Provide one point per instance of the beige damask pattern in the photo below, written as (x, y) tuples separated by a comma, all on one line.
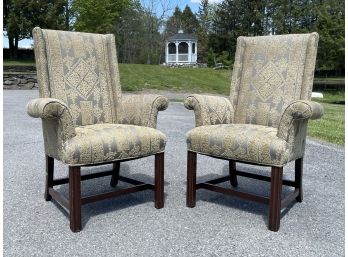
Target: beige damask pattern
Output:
[(243, 142), (80, 88), (108, 142), (271, 86), (50, 109), (146, 112), (275, 71), (79, 74), (57, 123), (210, 110), (298, 110)]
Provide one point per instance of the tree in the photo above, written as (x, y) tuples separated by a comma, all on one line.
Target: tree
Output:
[(189, 21), (205, 18), (232, 19), (98, 16), (325, 17), (184, 20), (174, 22), (235, 18), (155, 13), (130, 34), (21, 16), (68, 14), (330, 26)]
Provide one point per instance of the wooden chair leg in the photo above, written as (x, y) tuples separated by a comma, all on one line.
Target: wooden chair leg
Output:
[(191, 179), (49, 177), (115, 174), (298, 178), (75, 198), (275, 200), (159, 180), (233, 175)]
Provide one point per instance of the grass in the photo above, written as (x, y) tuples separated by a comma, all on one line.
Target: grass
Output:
[(19, 63), (330, 81), (137, 77), (19, 73), (333, 97), (330, 127)]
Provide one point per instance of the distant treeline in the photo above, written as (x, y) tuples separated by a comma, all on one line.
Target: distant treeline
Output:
[(23, 54), (141, 30)]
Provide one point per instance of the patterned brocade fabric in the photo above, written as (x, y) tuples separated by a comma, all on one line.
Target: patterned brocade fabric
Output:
[(243, 142), (298, 110), (210, 110), (141, 110), (109, 142), (269, 107), (79, 73), (81, 101), (271, 72), (49, 109)]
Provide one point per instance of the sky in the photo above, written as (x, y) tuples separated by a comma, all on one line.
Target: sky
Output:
[(194, 5)]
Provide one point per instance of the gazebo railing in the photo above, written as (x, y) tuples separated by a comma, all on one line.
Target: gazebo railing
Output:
[(181, 57), (171, 57)]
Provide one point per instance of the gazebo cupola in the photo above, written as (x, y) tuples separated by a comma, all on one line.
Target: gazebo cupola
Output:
[(181, 48)]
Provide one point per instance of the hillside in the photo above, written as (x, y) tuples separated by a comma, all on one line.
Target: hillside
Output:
[(136, 77)]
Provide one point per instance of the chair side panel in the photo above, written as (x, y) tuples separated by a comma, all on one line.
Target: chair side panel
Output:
[(309, 69), (41, 63), (114, 71)]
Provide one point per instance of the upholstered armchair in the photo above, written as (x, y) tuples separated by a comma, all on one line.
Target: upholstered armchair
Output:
[(86, 120), (263, 122)]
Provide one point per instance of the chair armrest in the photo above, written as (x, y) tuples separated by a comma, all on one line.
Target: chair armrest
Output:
[(53, 109), (297, 111), (141, 110), (210, 110)]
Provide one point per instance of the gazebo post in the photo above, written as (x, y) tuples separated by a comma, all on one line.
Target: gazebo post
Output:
[(167, 51), (196, 53), (177, 52), (189, 52)]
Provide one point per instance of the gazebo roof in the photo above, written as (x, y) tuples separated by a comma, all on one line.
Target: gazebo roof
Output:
[(182, 36)]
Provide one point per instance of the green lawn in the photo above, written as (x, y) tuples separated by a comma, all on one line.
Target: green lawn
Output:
[(19, 63), (332, 97), (330, 127), (136, 77)]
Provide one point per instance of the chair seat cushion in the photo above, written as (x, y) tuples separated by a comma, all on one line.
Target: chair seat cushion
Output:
[(101, 143), (241, 142)]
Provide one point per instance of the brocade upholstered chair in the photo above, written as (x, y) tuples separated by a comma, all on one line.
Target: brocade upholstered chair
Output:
[(264, 122), (86, 121)]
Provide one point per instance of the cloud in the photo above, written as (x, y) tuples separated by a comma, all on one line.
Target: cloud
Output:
[(210, 1)]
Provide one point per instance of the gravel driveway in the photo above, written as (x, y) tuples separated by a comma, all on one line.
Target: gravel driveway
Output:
[(130, 225)]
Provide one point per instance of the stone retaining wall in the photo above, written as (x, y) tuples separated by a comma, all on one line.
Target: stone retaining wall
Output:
[(20, 81), (19, 77)]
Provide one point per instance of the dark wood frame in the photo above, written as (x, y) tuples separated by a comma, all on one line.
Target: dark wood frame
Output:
[(75, 201), (275, 202)]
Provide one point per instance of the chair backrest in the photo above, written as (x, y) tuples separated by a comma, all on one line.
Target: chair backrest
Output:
[(81, 70), (269, 73)]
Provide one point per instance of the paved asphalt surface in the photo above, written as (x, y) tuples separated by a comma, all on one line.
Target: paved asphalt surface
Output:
[(130, 225)]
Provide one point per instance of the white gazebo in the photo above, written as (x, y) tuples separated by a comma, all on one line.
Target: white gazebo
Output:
[(181, 48)]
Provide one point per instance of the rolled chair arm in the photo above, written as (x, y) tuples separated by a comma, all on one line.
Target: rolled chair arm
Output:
[(50, 109), (298, 110), (141, 110), (210, 110)]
